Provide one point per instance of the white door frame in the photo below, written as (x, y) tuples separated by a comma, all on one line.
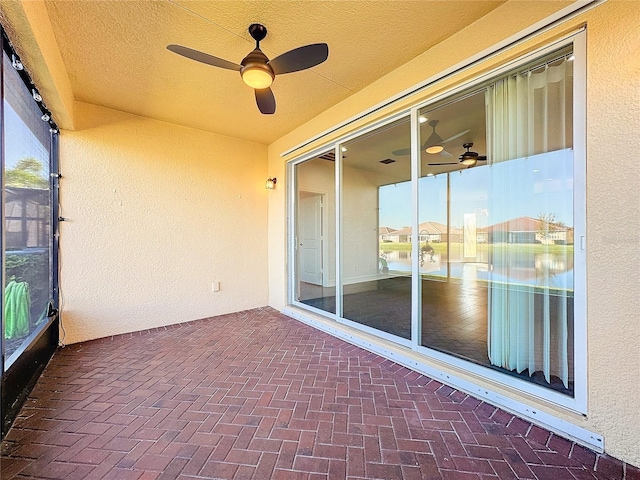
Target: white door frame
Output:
[(322, 237)]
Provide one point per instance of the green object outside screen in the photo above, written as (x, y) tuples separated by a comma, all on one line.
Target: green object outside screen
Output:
[(17, 301)]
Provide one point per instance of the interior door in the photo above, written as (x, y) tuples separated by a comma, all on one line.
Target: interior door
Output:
[(310, 238)]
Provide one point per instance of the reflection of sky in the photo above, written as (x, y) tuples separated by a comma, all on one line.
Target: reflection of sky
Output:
[(27, 144), (503, 191)]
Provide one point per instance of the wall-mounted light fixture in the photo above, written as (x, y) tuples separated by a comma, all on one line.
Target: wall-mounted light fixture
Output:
[(271, 183)]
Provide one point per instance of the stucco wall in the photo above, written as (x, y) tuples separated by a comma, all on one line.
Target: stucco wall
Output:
[(613, 183), (156, 213)]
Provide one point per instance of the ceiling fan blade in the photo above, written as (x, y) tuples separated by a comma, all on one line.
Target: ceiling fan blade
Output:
[(266, 101), (457, 135), (401, 152), (203, 57), (482, 158), (300, 58)]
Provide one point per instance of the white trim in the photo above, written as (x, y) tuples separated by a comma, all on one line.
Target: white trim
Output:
[(540, 392), (292, 239), (580, 314), (416, 282), (570, 11), (338, 217), (407, 358)]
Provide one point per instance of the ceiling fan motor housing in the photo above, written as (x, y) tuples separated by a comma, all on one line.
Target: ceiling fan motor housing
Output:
[(256, 64)]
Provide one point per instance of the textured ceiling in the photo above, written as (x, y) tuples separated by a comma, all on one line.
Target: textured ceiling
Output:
[(115, 54)]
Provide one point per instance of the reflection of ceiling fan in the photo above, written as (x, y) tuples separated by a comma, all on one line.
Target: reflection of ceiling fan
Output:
[(434, 144), (468, 158), (257, 70)]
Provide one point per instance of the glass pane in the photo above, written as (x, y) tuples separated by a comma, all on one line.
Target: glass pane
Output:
[(498, 288), (315, 237), (27, 288), (530, 278), (376, 233), (452, 206)]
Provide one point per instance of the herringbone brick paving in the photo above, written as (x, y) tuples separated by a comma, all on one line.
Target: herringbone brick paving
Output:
[(258, 395)]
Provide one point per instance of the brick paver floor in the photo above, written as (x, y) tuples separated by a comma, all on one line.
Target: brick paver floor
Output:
[(258, 395)]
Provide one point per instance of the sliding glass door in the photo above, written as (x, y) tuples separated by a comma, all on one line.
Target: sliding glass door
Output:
[(315, 232), (376, 244), (458, 240)]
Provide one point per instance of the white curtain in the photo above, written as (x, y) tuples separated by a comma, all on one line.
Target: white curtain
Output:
[(528, 115)]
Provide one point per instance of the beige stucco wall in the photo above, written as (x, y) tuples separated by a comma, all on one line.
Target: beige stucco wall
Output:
[(156, 213), (613, 201)]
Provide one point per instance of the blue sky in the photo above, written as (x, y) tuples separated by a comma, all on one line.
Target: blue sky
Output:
[(28, 144), (522, 187)]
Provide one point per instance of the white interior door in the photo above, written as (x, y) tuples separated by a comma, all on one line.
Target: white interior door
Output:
[(310, 239)]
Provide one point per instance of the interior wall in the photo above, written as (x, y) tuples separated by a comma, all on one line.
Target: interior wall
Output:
[(613, 207), (360, 225), (154, 214), (359, 214), (318, 176)]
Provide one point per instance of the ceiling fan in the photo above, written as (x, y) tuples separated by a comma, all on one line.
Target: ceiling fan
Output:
[(257, 70), (434, 144), (468, 158)]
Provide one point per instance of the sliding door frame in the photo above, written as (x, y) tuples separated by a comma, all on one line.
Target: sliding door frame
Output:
[(577, 403)]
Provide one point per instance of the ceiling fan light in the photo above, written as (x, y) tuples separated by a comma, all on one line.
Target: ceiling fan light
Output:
[(256, 76), (434, 142), (469, 161), (433, 149)]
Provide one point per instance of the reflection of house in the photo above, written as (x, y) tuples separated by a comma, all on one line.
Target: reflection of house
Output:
[(428, 232), (402, 236), (26, 217), (432, 232), (386, 234), (526, 230), (517, 230)]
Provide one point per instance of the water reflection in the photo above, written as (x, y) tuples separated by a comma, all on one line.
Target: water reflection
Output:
[(542, 269)]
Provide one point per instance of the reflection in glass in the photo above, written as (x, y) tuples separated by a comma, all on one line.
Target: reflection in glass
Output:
[(27, 240), (376, 237), (494, 233), (504, 298)]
